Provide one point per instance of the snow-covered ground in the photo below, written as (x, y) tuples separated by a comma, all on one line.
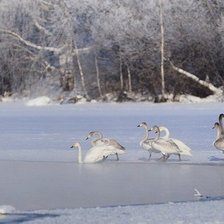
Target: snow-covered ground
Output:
[(41, 178)]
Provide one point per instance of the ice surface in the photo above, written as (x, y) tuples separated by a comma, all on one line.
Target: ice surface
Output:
[(55, 127), (38, 170), (45, 185)]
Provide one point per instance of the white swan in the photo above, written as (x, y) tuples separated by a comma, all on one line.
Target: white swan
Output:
[(219, 141), (95, 154), (100, 140), (146, 142), (165, 146), (184, 149)]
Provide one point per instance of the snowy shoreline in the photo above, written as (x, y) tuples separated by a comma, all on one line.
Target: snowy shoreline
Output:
[(198, 212)]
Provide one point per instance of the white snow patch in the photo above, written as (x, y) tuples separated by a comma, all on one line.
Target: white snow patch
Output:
[(81, 99), (208, 212), (6, 209), (39, 101), (195, 99), (7, 99)]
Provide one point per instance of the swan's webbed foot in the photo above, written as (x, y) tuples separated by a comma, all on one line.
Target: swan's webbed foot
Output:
[(105, 157)]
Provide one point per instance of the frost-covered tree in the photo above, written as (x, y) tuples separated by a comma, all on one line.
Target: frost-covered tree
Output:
[(44, 30), (26, 28), (190, 40), (94, 47)]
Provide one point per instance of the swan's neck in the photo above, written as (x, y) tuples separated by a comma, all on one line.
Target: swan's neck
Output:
[(218, 134), (221, 125), (158, 135), (166, 130), (79, 154), (146, 135), (98, 135)]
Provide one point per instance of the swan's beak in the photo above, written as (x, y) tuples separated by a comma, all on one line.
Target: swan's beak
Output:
[(71, 147), (138, 126), (87, 137)]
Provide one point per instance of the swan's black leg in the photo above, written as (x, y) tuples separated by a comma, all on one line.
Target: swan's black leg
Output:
[(166, 158), (117, 156), (163, 157), (179, 157), (150, 154)]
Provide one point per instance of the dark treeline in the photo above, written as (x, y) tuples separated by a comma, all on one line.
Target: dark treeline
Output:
[(123, 48)]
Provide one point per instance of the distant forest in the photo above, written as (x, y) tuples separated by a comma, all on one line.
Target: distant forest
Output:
[(111, 49)]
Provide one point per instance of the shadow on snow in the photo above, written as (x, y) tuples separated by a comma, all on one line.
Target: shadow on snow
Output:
[(24, 217)]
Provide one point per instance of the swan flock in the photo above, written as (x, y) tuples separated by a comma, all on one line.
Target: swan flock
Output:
[(160, 143), (100, 150)]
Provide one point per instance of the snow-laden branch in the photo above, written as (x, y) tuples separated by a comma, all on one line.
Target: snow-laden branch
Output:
[(44, 48), (41, 28), (30, 44), (46, 3), (208, 85), (82, 50)]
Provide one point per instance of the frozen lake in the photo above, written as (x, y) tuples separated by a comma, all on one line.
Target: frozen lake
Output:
[(41, 185), (56, 127), (38, 170)]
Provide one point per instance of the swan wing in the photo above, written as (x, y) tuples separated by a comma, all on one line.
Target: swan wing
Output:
[(95, 154), (103, 141), (181, 145), (219, 144), (114, 143), (110, 142), (147, 144), (111, 150), (184, 149), (100, 152), (166, 146)]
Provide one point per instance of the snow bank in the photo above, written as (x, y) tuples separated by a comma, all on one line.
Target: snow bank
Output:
[(208, 212), (7, 99), (194, 99), (39, 101)]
